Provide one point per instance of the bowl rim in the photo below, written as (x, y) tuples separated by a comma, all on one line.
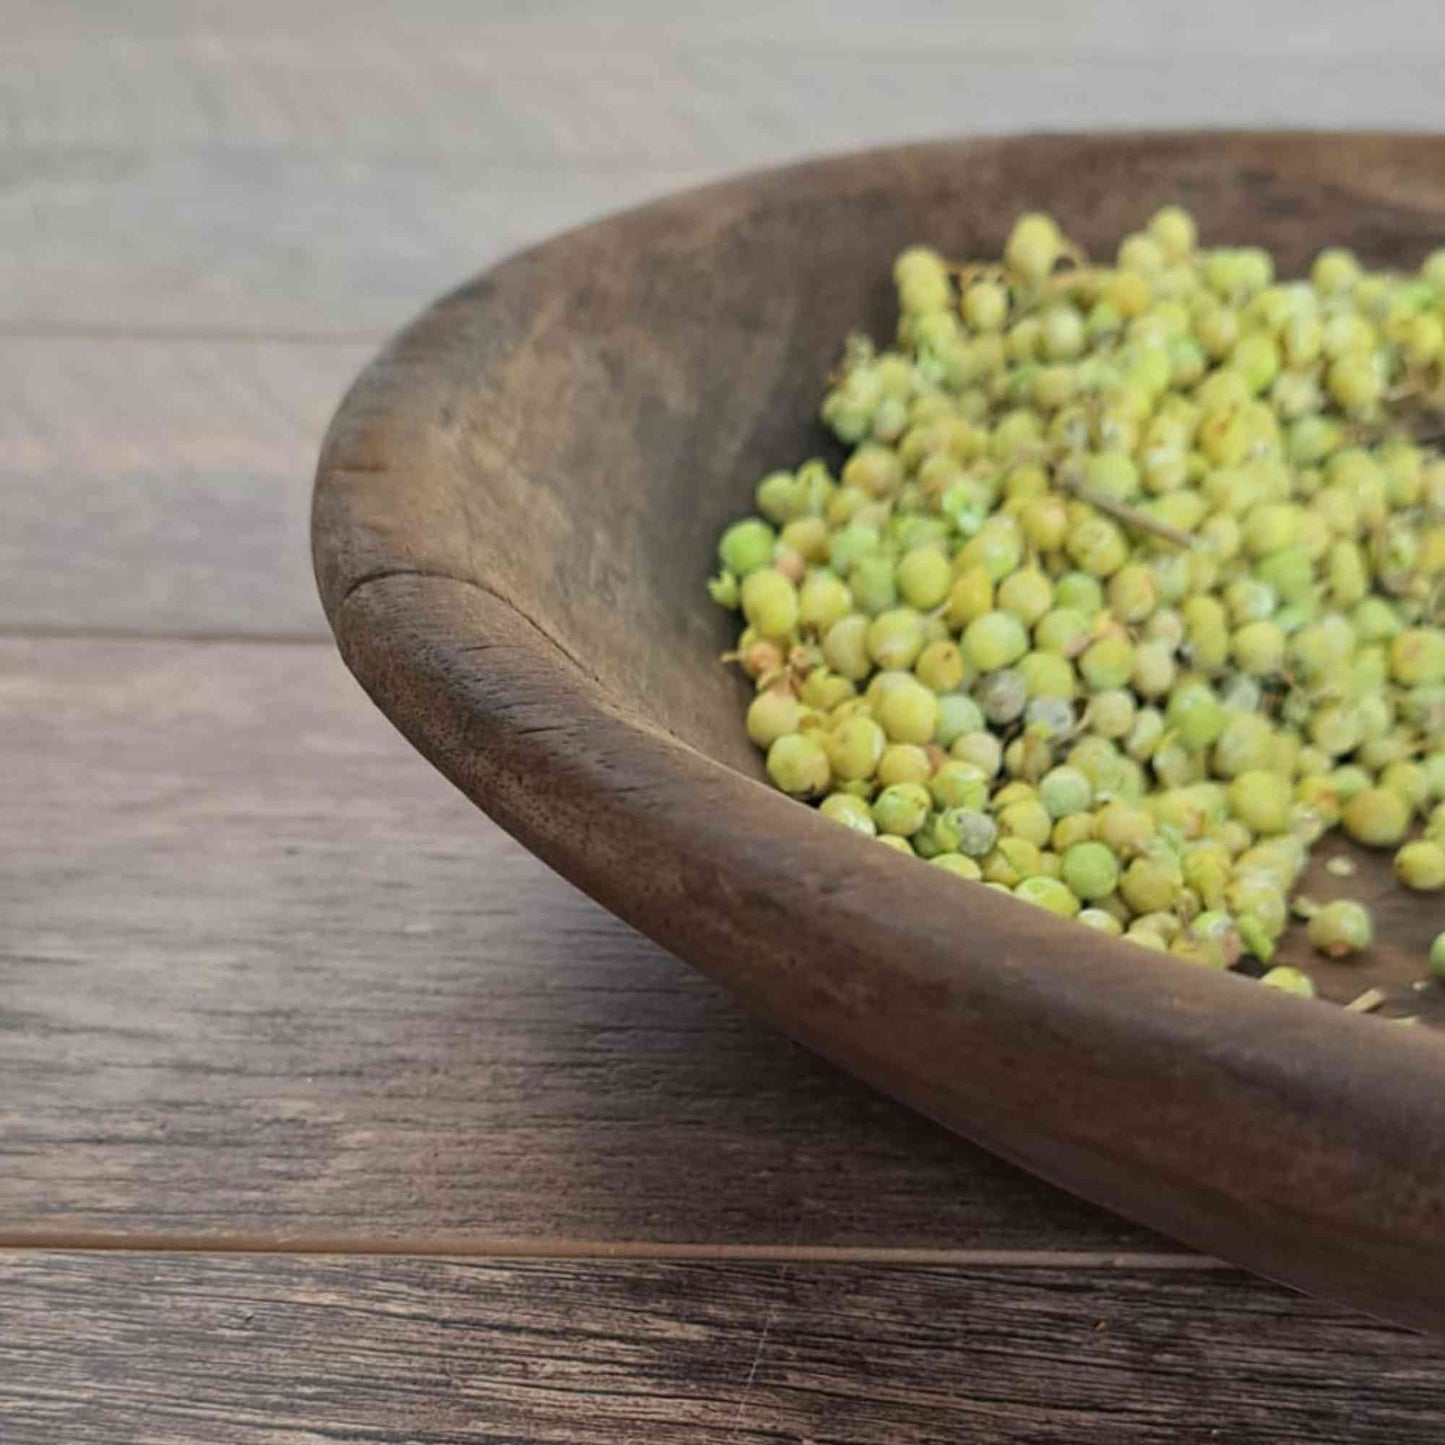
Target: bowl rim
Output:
[(1302, 1141)]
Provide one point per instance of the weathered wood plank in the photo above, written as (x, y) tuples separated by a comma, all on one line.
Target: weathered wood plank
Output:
[(262, 973), (480, 77), (127, 406), (269, 179), (197, 553), (158, 485), (276, 242), (1043, 24), (576, 96), (164, 1349)]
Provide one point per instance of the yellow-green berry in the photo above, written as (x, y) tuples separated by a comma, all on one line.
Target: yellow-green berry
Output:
[(1065, 790), (1377, 817), (995, 640), (1261, 800), (1290, 980), (903, 763), (770, 603), (1091, 870), (1050, 894), (747, 546), (798, 765), (1340, 928), (771, 714), (1421, 865), (1102, 920), (901, 809), (957, 864), (850, 811), (924, 577), (908, 712)]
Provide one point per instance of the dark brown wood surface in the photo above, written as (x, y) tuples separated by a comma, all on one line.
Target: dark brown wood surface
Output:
[(267, 976), (180, 1348), (266, 982)]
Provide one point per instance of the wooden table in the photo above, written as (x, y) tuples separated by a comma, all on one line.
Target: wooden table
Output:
[(326, 1113)]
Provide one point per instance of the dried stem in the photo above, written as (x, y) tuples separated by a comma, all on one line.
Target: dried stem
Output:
[(1129, 516), (1367, 1002)]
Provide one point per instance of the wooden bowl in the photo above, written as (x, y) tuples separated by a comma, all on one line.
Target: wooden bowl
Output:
[(515, 512)]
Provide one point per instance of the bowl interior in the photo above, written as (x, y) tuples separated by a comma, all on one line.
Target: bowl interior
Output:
[(668, 388)]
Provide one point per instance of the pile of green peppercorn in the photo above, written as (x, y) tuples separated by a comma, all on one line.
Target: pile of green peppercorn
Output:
[(1130, 588)]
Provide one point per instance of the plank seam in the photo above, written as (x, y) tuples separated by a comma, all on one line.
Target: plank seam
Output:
[(97, 1242)]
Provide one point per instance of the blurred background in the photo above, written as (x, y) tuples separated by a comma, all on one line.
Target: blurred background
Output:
[(211, 213)]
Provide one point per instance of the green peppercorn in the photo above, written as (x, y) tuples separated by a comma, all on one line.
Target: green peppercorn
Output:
[(908, 712), (855, 748), (1377, 817), (895, 638), (958, 865), (903, 763), (1289, 980), (1065, 790), (1091, 870), (1050, 894), (747, 546), (941, 666), (1421, 865), (901, 809), (1101, 920), (959, 785), (1079, 592), (850, 811), (1291, 652), (1417, 656), (769, 602), (1108, 664), (995, 640), (981, 748), (1261, 801), (798, 765), (957, 714), (823, 599), (1097, 546), (1145, 938), (1034, 246), (1340, 928), (771, 714)]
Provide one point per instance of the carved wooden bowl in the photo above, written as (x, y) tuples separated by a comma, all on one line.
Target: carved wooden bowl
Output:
[(516, 509)]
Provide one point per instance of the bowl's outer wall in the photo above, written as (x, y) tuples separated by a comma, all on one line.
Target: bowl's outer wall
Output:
[(516, 508)]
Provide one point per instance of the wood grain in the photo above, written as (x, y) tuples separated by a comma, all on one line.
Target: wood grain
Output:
[(194, 170), (211, 552), (165, 1349), (161, 485), (589, 91), (273, 241), (432, 27), (72, 406), (262, 973)]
